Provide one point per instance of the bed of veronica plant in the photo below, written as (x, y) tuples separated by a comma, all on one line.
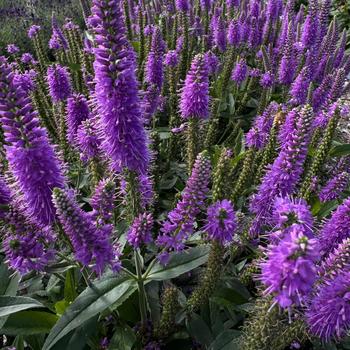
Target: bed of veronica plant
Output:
[(176, 179)]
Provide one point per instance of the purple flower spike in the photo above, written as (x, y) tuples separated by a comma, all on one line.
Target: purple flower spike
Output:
[(233, 34), (267, 80), (288, 214), (171, 58), (27, 246), (258, 135), (124, 137), (335, 187), (221, 222), (27, 58), (194, 101), (299, 88), (102, 201), (240, 72), (328, 314), (179, 225), (32, 159), (336, 228), (12, 49), (77, 111), (5, 197), (26, 80), (220, 35), (182, 5), (59, 83), (88, 140), (140, 231), (285, 172), (154, 64), (206, 4), (232, 3), (91, 244), (33, 31), (289, 270)]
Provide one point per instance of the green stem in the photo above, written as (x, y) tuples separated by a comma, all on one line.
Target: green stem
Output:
[(141, 288)]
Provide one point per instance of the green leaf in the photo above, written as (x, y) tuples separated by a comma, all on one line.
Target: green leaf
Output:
[(70, 286), (29, 322), (180, 263), (123, 338), (93, 300), (225, 340), (61, 307), (199, 330), (18, 343), (340, 150), (8, 286), (78, 338), (10, 305)]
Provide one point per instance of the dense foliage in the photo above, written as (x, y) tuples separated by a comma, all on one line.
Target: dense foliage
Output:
[(176, 176)]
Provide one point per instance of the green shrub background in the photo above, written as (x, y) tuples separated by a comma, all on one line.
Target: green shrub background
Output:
[(17, 15)]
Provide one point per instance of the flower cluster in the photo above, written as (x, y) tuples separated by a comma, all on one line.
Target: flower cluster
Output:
[(179, 225), (289, 270)]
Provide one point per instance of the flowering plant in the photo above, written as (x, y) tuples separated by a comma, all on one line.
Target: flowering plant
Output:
[(173, 175)]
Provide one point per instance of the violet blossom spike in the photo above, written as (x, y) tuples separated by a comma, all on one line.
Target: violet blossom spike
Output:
[(289, 270), (339, 54), (267, 80), (5, 197), (287, 64), (27, 80), (274, 8), (299, 88), (240, 72), (124, 138), (57, 34), (233, 33), (324, 14), (180, 222), (92, 245), (220, 35), (336, 228), (258, 135), (310, 30), (206, 4), (102, 201), (194, 100), (232, 3), (328, 314), (27, 246), (77, 111), (221, 222), (338, 85), (32, 159), (27, 58), (335, 187), (171, 58), (150, 102), (337, 260), (154, 63), (285, 172), (59, 81), (254, 33), (12, 49), (292, 213), (140, 231), (88, 140), (321, 94), (213, 63), (33, 31), (182, 5)]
